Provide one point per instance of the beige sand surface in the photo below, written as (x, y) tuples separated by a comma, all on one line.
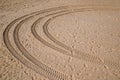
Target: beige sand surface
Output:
[(59, 39)]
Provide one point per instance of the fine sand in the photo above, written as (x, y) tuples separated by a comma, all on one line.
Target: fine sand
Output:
[(59, 40)]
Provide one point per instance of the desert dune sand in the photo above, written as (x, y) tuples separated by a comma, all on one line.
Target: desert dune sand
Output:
[(59, 40)]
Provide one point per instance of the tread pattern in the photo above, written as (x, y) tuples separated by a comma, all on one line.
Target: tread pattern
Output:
[(32, 62)]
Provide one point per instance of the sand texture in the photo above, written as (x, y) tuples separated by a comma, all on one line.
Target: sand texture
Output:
[(59, 40)]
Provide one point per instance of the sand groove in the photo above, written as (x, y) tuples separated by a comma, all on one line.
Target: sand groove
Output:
[(77, 54), (32, 62)]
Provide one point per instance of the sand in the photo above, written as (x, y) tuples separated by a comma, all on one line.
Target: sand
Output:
[(59, 40)]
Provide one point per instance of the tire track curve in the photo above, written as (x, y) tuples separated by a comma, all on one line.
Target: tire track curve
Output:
[(15, 53), (84, 56), (44, 69), (29, 60), (57, 48), (40, 38), (19, 57)]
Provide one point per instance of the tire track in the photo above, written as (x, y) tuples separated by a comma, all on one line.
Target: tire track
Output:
[(48, 70), (19, 57), (15, 53), (45, 69), (36, 35), (32, 62), (84, 56)]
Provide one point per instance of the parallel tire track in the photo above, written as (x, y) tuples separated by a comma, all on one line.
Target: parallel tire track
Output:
[(30, 61), (83, 56), (48, 70), (40, 70), (77, 54)]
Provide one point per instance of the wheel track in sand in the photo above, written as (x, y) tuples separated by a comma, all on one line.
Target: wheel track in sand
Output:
[(49, 71), (84, 56), (78, 54), (34, 64), (46, 71)]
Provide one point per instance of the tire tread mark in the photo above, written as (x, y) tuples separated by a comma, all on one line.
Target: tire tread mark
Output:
[(81, 55), (14, 52), (32, 59), (39, 69)]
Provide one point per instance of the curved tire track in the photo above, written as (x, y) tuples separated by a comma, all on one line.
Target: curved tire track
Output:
[(42, 69), (84, 56), (32, 62), (31, 58)]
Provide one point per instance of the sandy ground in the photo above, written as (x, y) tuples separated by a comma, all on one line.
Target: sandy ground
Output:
[(59, 39)]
